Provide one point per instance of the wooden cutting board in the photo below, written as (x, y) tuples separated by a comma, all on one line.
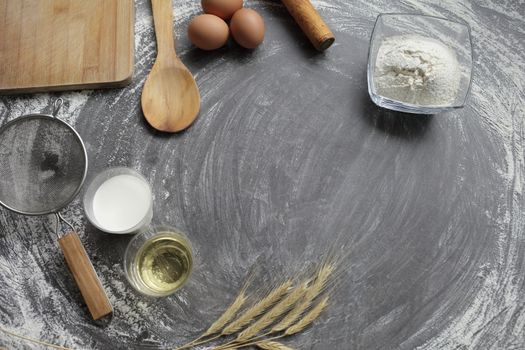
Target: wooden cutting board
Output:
[(65, 44)]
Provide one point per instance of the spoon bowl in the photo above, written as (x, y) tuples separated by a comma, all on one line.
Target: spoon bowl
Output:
[(170, 97)]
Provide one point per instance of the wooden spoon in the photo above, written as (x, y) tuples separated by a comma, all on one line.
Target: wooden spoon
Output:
[(170, 98)]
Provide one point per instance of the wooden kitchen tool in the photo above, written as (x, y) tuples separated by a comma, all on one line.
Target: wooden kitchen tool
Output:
[(311, 23), (85, 276), (65, 44), (170, 98)]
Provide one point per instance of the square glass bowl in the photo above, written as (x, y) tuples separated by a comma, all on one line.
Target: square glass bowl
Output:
[(453, 34)]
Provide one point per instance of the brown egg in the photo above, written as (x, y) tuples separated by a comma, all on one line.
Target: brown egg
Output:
[(247, 28), (222, 8), (208, 32)]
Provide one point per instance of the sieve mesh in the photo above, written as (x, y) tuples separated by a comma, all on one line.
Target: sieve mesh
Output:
[(42, 164)]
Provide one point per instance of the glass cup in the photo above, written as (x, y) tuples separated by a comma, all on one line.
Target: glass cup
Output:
[(158, 261), (125, 203)]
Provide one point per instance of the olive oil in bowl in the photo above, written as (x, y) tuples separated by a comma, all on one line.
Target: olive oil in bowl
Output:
[(158, 262)]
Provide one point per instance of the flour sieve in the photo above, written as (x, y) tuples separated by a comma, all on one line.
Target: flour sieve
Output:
[(43, 164)]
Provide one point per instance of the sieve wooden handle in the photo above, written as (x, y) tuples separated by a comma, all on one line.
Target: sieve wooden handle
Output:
[(85, 276), (311, 23)]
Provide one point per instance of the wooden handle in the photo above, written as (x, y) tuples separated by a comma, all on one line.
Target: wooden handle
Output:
[(311, 23), (163, 20), (85, 276)]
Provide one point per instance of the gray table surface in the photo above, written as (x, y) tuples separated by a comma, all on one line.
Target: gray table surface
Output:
[(288, 158)]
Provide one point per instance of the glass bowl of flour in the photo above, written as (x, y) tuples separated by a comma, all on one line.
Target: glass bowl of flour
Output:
[(419, 64)]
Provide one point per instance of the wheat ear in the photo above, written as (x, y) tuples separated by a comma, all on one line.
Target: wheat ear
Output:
[(308, 318), (262, 305), (227, 315), (268, 318), (317, 287), (272, 345), (321, 281), (292, 316)]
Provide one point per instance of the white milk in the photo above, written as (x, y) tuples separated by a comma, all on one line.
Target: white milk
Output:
[(121, 203)]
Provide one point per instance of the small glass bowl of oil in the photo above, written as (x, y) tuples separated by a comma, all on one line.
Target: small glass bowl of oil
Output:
[(158, 261)]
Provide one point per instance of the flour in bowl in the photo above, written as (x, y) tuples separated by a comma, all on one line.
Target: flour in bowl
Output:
[(417, 70)]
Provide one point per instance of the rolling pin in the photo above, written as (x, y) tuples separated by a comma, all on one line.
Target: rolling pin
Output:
[(311, 23)]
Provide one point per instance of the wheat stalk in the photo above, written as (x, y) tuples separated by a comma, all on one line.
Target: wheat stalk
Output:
[(272, 345), (257, 309), (308, 318), (32, 340), (312, 292), (268, 318), (227, 315), (287, 307)]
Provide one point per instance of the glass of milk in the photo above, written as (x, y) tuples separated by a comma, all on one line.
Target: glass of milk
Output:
[(119, 200)]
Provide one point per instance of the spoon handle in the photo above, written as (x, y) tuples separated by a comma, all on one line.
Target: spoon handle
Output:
[(163, 19)]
